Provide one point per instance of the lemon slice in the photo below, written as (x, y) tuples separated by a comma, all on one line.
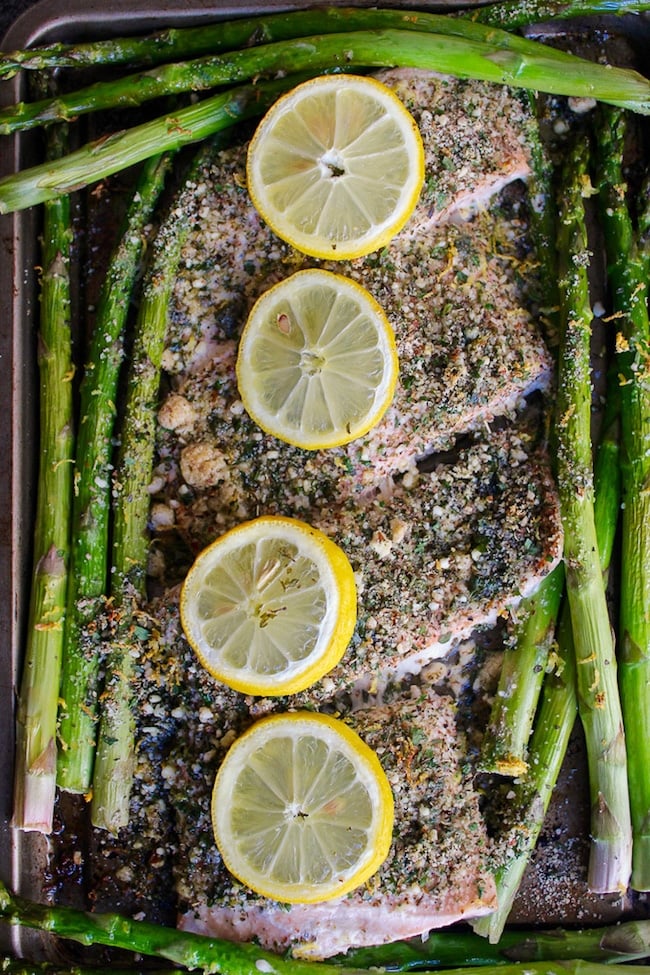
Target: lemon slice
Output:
[(302, 810), (336, 166), (317, 362), (270, 606)]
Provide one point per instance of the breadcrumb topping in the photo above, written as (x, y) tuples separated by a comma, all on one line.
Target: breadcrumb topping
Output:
[(445, 534)]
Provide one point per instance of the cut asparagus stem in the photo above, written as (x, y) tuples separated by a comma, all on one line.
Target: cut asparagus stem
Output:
[(629, 290), (35, 768), (288, 55), (598, 696), (92, 497), (454, 55), (520, 682), (114, 762), (511, 14), (228, 35), (195, 951)]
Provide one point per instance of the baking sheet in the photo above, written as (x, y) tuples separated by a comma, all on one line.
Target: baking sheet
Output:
[(554, 890)]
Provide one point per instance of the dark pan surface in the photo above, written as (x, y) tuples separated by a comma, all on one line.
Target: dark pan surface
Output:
[(554, 890)]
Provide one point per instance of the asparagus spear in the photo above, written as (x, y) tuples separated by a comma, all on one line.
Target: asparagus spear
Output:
[(530, 796), (629, 287), (456, 947), (228, 35), (525, 659), (214, 38), (511, 14), (598, 697), (35, 769), (447, 949), (454, 55), (287, 55), (195, 951), (166, 45), (88, 560), (114, 761), (116, 152)]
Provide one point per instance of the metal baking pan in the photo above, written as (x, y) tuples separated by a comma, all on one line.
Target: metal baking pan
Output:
[(554, 890)]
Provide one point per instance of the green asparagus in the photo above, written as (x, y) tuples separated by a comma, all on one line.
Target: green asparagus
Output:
[(511, 14), (455, 947), (92, 497), (307, 53), (228, 35), (116, 152), (598, 697), (36, 716), (114, 760), (629, 289), (530, 796), (195, 951), (455, 55), (520, 681)]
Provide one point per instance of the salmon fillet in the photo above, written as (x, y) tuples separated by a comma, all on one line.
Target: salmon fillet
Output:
[(468, 348), (475, 140), (436, 554), (439, 867)]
